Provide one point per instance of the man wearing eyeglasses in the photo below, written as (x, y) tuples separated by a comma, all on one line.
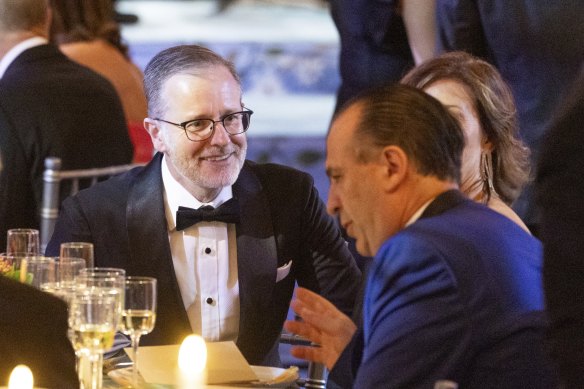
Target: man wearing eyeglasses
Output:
[(225, 237)]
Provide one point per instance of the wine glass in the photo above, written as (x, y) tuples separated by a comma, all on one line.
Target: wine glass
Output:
[(93, 319), (104, 277), (139, 315), (22, 240), (78, 250)]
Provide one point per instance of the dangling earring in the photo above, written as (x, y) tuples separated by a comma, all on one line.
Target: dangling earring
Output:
[(487, 174)]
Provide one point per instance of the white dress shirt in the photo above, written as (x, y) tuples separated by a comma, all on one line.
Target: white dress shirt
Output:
[(419, 212), (15, 51), (205, 263)]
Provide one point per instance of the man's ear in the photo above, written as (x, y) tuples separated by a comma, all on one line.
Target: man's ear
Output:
[(396, 164), (155, 134)]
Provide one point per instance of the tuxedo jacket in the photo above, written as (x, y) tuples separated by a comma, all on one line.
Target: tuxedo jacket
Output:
[(52, 107), (282, 220), (33, 328), (455, 296)]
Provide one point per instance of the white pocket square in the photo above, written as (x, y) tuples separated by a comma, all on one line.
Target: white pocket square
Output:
[(283, 271)]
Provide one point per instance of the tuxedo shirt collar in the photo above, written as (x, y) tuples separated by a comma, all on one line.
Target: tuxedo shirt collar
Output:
[(176, 195), (419, 212), (18, 49)]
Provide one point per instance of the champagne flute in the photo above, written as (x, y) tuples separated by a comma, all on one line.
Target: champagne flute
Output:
[(139, 315), (78, 250), (93, 319), (22, 240)]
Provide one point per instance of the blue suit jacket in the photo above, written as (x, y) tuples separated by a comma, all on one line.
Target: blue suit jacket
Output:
[(457, 295), (282, 219)]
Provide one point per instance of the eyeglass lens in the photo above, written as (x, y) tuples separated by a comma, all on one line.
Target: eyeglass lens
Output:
[(234, 124)]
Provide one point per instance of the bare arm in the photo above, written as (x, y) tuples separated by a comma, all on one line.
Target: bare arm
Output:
[(419, 17)]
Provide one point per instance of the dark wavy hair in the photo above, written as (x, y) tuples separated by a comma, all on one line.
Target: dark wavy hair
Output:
[(85, 20), (412, 120), (495, 108)]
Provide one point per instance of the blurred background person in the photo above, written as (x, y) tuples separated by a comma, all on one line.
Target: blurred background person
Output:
[(88, 34), (559, 193), (536, 45), (495, 163), (380, 40), (49, 107)]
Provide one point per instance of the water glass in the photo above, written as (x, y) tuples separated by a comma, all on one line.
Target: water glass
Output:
[(23, 240), (78, 250), (40, 269)]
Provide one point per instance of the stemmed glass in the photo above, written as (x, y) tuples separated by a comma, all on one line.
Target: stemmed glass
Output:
[(111, 282), (139, 315), (93, 319)]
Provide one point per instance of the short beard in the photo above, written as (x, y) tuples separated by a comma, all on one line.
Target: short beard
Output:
[(189, 168)]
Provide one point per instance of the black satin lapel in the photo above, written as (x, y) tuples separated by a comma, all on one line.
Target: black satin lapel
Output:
[(444, 202), (256, 259), (150, 249)]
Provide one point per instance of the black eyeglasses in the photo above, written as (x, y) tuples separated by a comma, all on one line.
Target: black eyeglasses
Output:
[(202, 129)]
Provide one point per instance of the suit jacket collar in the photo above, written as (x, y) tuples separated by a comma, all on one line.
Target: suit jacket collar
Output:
[(17, 50), (443, 202), (33, 54)]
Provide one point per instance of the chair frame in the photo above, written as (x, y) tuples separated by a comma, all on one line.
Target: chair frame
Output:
[(52, 178)]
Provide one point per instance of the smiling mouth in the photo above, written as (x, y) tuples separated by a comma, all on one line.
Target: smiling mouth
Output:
[(217, 158)]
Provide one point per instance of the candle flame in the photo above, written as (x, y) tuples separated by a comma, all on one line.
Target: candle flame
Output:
[(21, 378), (192, 355)]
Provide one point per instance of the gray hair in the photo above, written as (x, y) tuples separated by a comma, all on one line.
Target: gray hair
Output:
[(193, 59)]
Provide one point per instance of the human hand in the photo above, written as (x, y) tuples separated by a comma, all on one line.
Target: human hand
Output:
[(322, 324)]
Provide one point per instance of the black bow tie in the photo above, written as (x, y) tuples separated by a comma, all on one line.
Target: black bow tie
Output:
[(228, 212)]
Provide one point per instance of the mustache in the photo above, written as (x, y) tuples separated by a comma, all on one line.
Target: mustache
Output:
[(214, 151)]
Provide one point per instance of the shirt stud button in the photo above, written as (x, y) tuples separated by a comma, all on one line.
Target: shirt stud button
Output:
[(209, 300), (207, 250)]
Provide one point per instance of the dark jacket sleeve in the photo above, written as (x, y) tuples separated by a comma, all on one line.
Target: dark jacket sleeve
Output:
[(460, 28)]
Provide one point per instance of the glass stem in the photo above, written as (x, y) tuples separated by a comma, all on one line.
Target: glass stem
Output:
[(90, 369), (135, 337)]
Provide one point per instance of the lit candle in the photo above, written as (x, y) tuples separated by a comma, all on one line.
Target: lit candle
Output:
[(21, 378), (192, 358)]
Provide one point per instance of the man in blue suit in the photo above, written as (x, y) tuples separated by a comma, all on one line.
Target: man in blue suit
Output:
[(454, 292)]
